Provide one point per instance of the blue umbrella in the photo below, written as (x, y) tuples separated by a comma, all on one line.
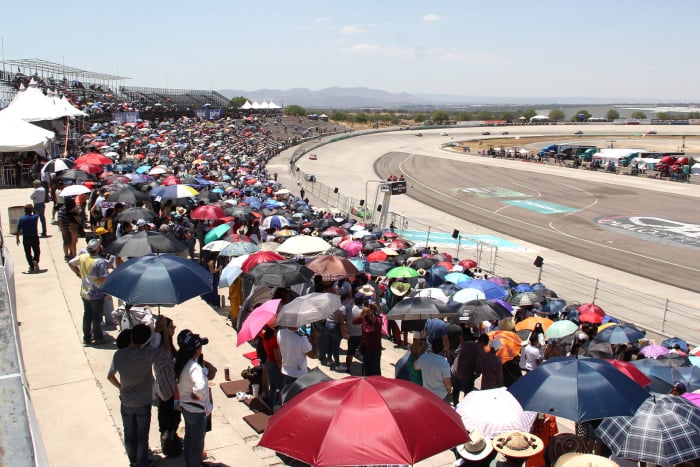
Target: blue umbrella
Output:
[(158, 280), (671, 342), (578, 389), (622, 334), (554, 306), (143, 169), (437, 275), (456, 277), (520, 288), (491, 290)]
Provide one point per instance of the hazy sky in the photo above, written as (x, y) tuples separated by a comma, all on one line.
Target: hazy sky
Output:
[(543, 48)]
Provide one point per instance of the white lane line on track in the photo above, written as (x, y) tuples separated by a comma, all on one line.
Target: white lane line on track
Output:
[(534, 226), (595, 201)]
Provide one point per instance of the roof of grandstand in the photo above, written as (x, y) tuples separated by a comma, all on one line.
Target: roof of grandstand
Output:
[(180, 97), (29, 66)]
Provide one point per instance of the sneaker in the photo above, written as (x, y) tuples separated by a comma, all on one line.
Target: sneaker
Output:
[(341, 368)]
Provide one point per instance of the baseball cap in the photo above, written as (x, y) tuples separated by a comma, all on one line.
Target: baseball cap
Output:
[(94, 244), (189, 340), (141, 223)]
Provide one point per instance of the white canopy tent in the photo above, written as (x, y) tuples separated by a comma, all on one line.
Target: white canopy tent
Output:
[(31, 105), (265, 105), (17, 135), (539, 118), (246, 106), (68, 108)]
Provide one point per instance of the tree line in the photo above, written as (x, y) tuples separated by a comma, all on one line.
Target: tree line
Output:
[(438, 117)]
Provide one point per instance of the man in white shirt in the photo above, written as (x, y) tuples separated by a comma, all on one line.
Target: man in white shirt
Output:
[(294, 347), (38, 198)]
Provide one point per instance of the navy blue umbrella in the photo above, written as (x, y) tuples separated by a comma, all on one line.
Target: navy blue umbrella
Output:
[(578, 389), (158, 280)]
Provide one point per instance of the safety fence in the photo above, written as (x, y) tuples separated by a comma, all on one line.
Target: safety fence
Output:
[(660, 315)]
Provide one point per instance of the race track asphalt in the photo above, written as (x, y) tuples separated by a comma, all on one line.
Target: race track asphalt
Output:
[(440, 183)]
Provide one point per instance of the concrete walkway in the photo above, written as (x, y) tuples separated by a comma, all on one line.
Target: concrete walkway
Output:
[(78, 409)]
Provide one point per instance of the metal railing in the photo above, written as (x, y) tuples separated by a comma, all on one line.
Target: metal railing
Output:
[(660, 315)]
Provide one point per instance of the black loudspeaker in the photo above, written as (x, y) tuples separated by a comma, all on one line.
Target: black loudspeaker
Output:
[(539, 261), (455, 233), (379, 208), (335, 190), (362, 202)]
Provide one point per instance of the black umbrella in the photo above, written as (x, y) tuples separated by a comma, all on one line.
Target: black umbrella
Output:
[(129, 195), (134, 214), (158, 280), (424, 263), (371, 245), (337, 252), (380, 268), (57, 165), (323, 224), (417, 308), (476, 311), (142, 243), (303, 382), (598, 350), (280, 274), (76, 175), (209, 196), (674, 360)]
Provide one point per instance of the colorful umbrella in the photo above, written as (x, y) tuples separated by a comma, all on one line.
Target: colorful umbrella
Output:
[(216, 233), (401, 272), (653, 351), (511, 345), (257, 320), (630, 371), (260, 257), (391, 413), (239, 249)]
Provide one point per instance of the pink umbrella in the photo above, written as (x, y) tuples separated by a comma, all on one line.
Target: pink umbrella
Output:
[(352, 247), (692, 397), (654, 351), (257, 320)]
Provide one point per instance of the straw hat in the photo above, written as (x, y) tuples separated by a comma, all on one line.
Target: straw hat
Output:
[(518, 444), (477, 448), (421, 272), (400, 288), (578, 459), (181, 210), (366, 290)]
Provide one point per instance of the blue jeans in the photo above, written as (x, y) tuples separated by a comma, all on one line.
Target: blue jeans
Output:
[(330, 340), (137, 422), (195, 430), (92, 318), (40, 209)]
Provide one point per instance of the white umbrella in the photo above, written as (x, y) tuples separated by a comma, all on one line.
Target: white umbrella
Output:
[(216, 245), (493, 412), (157, 171), (57, 165), (308, 309), (283, 191), (432, 292), (74, 190), (303, 245)]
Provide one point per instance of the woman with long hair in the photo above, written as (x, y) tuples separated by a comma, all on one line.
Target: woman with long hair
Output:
[(193, 388), (166, 383)]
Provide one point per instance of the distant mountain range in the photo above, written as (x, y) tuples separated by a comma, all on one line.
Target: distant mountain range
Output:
[(360, 97)]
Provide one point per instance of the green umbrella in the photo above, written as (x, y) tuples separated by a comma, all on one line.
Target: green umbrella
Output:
[(216, 233), (402, 272), (561, 329)]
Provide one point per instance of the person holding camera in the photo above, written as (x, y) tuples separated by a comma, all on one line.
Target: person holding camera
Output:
[(371, 346)]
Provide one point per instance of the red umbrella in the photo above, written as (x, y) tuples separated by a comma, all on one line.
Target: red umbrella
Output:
[(389, 234), (207, 212), (93, 158), (333, 232), (364, 421), (89, 167), (260, 257), (171, 180), (399, 244), (631, 371), (445, 264), (233, 238), (590, 313), (376, 256), (468, 263)]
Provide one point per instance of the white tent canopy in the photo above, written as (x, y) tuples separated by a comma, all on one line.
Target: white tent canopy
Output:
[(31, 105), (68, 108), (539, 118), (18, 135), (265, 105)]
